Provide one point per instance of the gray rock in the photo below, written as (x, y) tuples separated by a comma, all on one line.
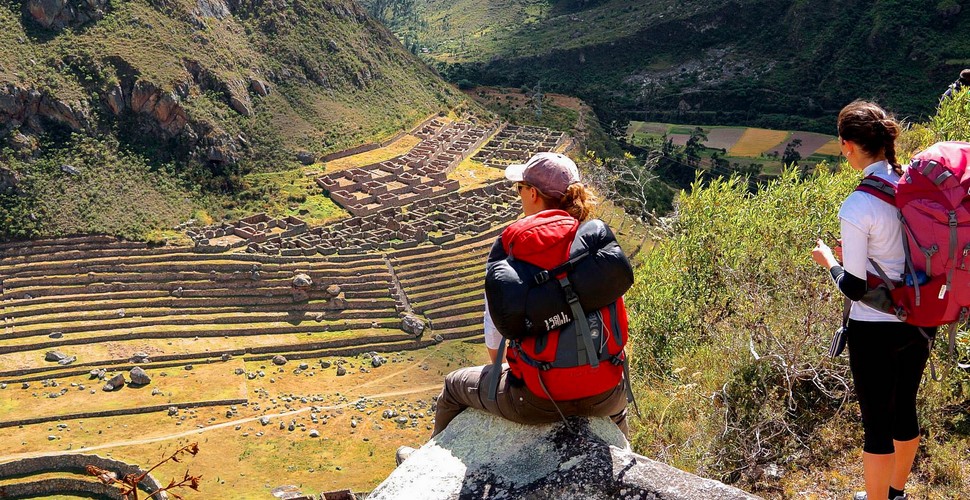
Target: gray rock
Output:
[(377, 361), (226, 357), (325, 364), (54, 356), (67, 361), (314, 433), (70, 170), (172, 411), (480, 455), (188, 367), (264, 420), (239, 371), (333, 290), (139, 377), (413, 325), (97, 374), (140, 357), (341, 371), (302, 281), (116, 382), (305, 157), (279, 360), (438, 338), (56, 335)]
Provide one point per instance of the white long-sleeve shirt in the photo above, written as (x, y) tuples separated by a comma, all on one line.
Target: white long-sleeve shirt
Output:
[(871, 229)]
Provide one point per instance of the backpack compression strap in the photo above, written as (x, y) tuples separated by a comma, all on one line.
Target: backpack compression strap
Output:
[(878, 187)]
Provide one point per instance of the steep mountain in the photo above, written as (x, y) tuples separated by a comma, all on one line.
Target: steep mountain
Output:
[(777, 63), (196, 92)]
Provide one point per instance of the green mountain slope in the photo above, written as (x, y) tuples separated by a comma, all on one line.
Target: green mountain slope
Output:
[(201, 90), (768, 62)]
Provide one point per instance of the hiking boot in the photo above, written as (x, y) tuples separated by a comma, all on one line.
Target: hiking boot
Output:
[(402, 454)]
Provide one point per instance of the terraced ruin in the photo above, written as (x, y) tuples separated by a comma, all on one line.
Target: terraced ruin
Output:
[(263, 321)]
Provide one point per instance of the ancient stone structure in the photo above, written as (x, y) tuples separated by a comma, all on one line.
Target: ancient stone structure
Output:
[(515, 144), (402, 180), (79, 481), (483, 456)]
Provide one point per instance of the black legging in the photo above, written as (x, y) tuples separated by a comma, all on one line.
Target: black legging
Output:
[(887, 361)]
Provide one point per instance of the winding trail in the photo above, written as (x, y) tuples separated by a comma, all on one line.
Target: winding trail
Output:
[(193, 432)]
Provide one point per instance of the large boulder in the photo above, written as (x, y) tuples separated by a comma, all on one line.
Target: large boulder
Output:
[(483, 456), (413, 325)]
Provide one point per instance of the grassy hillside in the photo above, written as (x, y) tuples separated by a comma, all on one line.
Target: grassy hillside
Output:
[(730, 336), (773, 63), (200, 94)]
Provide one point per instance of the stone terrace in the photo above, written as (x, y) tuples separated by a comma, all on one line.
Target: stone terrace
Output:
[(515, 144), (435, 220), (402, 180)]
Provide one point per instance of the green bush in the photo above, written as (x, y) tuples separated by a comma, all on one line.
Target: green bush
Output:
[(730, 292)]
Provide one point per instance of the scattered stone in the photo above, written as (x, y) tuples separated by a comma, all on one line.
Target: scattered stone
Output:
[(264, 420), (140, 357), (314, 433), (413, 325), (173, 411), (188, 367), (353, 423), (139, 377), (377, 361), (438, 338), (121, 313), (67, 361), (229, 415), (3, 386), (116, 382), (98, 374), (341, 371), (279, 360), (304, 366), (51, 437), (239, 371), (226, 357), (177, 292), (157, 392), (333, 290), (56, 335), (325, 364)]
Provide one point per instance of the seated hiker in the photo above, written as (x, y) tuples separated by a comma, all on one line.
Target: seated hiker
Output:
[(555, 203)]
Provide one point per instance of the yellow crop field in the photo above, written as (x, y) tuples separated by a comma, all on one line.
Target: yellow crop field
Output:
[(396, 148), (755, 141), (830, 148)]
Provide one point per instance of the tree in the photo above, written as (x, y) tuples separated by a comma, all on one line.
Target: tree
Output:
[(791, 156), (694, 146)]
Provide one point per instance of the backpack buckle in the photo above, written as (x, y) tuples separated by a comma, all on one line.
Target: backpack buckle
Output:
[(617, 359), (545, 366), (541, 277)]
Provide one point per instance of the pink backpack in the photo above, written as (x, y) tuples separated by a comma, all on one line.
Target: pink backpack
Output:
[(933, 199)]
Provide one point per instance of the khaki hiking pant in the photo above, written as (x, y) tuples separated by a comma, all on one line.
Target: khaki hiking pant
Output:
[(467, 388)]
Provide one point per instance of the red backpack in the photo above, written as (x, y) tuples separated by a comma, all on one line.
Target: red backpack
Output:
[(555, 290), (933, 199)]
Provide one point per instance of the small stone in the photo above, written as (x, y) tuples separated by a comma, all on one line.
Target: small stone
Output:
[(239, 371), (226, 357), (279, 360), (325, 364), (314, 433), (56, 335), (25, 385), (116, 382), (51, 437), (264, 420), (304, 366), (341, 371), (97, 374), (188, 367), (139, 357), (172, 411), (377, 361)]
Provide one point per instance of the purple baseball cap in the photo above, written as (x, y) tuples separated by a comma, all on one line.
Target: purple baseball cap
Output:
[(551, 173)]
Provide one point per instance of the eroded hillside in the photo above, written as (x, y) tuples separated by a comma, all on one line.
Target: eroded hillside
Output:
[(201, 91)]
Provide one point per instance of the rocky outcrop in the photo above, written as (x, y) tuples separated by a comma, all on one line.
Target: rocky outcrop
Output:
[(483, 456), (21, 107), (59, 14)]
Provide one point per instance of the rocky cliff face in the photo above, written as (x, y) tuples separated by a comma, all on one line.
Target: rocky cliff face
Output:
[(483, 456), (209, 81)]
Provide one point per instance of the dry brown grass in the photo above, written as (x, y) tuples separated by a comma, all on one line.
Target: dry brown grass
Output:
[(238, 466), (396, 148)]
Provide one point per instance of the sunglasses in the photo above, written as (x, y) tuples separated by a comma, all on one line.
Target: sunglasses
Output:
[(519, 186)]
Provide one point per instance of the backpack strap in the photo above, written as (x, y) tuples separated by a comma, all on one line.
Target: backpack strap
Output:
[(878, 187), (493, 377)]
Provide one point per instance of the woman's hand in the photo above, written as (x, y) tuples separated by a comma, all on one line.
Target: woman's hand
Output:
[(823, 256)]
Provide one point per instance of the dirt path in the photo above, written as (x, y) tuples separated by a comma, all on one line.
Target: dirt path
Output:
[(231, 423)]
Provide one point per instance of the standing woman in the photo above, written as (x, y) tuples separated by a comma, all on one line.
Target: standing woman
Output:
[(886, 356)]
